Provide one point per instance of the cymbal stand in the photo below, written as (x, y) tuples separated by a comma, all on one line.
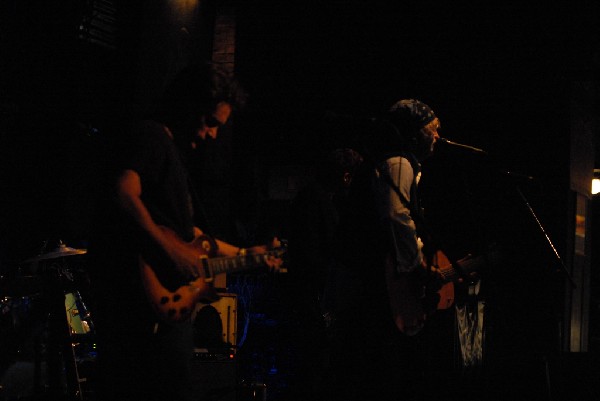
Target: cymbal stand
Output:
[(60, 354)]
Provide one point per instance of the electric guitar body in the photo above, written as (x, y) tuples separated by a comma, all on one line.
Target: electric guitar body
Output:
[(410, 297), (174, 300)]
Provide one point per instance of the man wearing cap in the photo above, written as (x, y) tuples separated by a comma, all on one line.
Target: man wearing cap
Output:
[(399, 174), (380, 248)]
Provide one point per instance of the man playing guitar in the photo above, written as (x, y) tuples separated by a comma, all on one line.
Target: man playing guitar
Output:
[(145, 245), (381, 246)]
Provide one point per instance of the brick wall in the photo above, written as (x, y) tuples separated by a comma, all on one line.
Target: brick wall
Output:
[(224, 37)]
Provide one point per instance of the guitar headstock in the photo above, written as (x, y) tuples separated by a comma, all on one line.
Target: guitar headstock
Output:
[(275, 257)]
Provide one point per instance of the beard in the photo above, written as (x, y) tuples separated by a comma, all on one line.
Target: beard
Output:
[(425, 147)]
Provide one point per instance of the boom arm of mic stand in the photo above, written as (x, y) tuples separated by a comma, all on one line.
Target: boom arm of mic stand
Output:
[(562, 264)]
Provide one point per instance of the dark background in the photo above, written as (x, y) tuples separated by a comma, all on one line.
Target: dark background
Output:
[(498, 75)]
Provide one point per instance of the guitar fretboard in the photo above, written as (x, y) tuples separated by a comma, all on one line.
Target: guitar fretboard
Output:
[(235, 263), (466, 266), (226, 264)]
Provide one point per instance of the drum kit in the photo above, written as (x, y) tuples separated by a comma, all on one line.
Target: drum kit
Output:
[(46, 329)]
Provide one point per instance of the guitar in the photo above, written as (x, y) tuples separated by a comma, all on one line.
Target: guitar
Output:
[(451, 274), (174, 301), (408, 293)]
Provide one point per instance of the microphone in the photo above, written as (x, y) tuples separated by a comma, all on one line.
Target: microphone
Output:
[(462, 146)]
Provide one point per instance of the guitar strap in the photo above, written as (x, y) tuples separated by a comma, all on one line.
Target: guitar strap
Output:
[(415, 209), (431, 244)]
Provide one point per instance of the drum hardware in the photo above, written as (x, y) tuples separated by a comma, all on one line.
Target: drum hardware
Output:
[(22, 286), (61, 251), (66, 324), (77, 313)]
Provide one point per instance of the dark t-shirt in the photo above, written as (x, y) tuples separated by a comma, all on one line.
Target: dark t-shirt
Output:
[(165, 183), (139, 357), (118, 240)]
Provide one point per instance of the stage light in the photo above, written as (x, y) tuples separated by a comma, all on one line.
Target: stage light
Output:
[(596, 182)]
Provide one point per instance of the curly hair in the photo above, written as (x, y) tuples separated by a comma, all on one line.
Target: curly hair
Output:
[(196, 91), (336, 163)]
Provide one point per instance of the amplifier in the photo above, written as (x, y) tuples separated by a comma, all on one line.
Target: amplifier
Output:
[(215, 324), (213, 379)]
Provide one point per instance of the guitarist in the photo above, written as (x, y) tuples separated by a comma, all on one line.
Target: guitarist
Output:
[(381, 247), (140, 356), (313, 219)]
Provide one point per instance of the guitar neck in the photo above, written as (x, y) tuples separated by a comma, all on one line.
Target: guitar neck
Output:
[(450, 273), (233, 264)]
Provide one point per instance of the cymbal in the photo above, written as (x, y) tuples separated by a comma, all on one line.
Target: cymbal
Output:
[(59, 252)]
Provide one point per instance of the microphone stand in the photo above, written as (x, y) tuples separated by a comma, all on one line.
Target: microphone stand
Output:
[(514, 179), (563, 267), (476, 151)]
